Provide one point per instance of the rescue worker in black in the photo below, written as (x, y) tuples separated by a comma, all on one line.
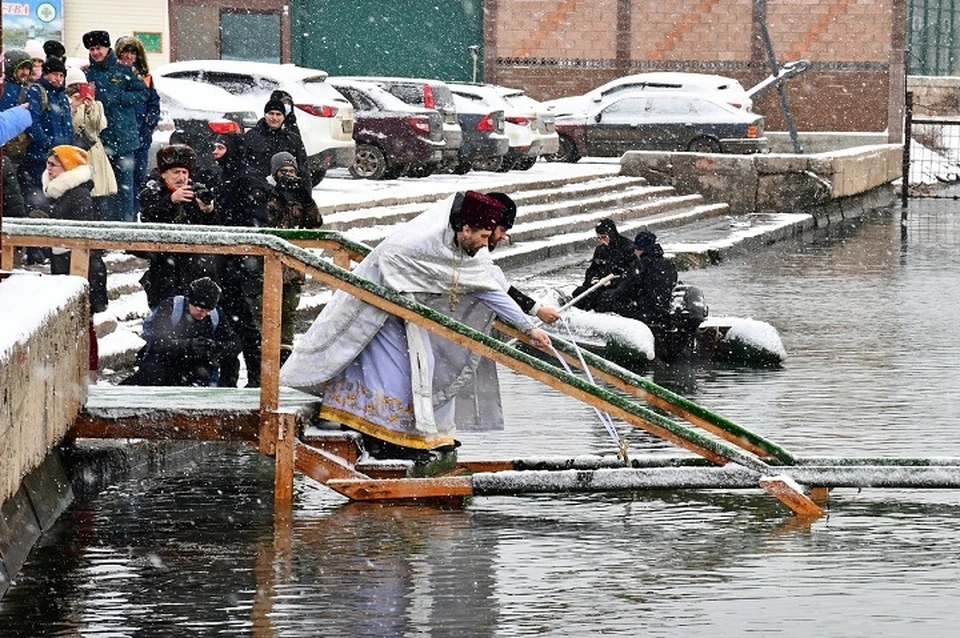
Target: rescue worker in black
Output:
[(187, 337), (646, 293), (614, 256)]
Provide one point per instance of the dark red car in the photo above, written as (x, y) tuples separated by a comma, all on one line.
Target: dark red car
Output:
[(393, 138)]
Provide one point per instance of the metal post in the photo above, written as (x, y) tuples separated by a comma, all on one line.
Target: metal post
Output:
[(760, 13), (907, 136)]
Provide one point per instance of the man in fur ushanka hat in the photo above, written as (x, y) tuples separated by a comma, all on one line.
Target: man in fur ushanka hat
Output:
[(172, 197), (361, 358)]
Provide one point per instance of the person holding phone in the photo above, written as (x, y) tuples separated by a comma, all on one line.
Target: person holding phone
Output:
[(88, 122)]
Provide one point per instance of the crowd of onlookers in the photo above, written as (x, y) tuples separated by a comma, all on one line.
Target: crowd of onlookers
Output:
[(84, 156)]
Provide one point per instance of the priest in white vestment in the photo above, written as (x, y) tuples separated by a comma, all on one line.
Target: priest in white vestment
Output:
[(395, 381)]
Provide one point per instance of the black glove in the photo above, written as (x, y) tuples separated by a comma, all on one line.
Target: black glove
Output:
[(202, 346)]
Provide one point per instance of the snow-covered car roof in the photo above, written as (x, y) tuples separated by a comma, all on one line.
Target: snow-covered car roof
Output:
[(197, 96), (385, 98), (288, 72)]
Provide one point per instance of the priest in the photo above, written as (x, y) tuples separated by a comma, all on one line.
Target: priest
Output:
[(394, 381)]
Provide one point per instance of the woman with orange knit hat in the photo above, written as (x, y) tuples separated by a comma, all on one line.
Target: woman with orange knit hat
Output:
[(67, 181)]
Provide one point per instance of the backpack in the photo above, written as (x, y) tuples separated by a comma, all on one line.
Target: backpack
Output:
[(16, 147)]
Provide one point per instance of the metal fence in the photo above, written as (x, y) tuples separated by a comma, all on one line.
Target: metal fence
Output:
[(931, 166), (933, 37)]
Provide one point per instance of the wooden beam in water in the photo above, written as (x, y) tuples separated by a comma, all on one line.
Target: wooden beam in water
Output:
[(285, 424), (322, 466), (403, 489), (179, 426)]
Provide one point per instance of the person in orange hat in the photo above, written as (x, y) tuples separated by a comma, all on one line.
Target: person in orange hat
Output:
[(66, 183)]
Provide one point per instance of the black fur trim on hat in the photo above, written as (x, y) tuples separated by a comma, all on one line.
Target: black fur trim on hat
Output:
[(509, 216), (96, 39), (176, 156), (54, 48), (54, 65)]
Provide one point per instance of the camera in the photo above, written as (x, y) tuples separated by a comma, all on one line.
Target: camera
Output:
[(203, 193)]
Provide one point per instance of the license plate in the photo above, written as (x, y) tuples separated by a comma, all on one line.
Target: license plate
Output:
[(348, 127)]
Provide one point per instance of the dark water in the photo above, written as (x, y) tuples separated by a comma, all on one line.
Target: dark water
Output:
[(868, 317)]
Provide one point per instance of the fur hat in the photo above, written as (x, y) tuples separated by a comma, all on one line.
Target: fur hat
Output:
[(176, 156), (509, 215), (130, 43), (476, 210), (274, 105), (644, 239), (280, 160), (607, 227), (70, 157), (54, 48), (203, 293), (75, 76), (35, 49), (54, 65), (96, 39)]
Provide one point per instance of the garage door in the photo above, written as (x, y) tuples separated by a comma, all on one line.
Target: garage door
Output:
[(411, 38)]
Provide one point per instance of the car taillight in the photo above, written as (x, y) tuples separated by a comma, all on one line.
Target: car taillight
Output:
[(520, 121), (420, 124), (753, 131), (428, 100), (224, 126), (735, 105), (486, 124), (318, 110)]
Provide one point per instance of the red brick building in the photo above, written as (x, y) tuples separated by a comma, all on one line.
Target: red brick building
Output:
[(856, 47)]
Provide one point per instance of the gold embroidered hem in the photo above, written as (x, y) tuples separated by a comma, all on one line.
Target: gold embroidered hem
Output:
[(420, 441)]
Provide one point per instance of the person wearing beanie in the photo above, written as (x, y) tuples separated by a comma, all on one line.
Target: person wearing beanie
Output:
[(613, 256), (55, 49), (17, 69), (646, 293), (290, 204), (376, 373), (130, 53), (120, 90), (50, 108), (172, 197), (38, 56), (270, 137), (67, 181), (88, 121), (289, 112), (187, 337)]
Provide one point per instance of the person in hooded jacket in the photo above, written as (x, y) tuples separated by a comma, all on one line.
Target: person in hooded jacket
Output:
[(240, 201), (130, 53), (66, 184), (120, 91), (50, 108), (269, 137), (614, 256), (646, 293), (18, 77), (171, 197)]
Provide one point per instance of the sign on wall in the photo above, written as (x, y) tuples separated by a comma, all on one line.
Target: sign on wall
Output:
[(31, 20)]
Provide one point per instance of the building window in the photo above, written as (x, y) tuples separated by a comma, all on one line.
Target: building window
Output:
[(250, 36)]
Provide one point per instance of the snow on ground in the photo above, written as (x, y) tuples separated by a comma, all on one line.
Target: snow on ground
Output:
[(28, 300)]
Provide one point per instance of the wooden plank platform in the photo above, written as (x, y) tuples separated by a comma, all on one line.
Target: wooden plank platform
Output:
[(207, 414)]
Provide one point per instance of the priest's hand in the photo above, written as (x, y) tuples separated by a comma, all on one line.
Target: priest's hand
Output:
[(539, 338)]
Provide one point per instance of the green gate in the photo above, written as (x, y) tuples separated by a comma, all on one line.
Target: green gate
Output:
[(410, 38), (933, 37)]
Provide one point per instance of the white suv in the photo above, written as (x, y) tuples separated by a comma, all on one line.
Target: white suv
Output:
[(325, 117)]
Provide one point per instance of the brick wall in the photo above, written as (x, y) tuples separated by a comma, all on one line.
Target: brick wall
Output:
[(554, 48)]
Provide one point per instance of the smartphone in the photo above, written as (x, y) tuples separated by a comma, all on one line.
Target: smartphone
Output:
[(86, 91)]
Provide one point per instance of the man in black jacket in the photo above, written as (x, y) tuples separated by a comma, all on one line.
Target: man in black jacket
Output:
[(270, 137), (646, 292), (614, 256), (187, 338)]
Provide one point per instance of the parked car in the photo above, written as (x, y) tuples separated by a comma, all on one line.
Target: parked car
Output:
[(194, 113), (485, 142), (520, 123), (325, 117), (660, 121), (544, 127), (392, 136), (727, 89), (428, 94)]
